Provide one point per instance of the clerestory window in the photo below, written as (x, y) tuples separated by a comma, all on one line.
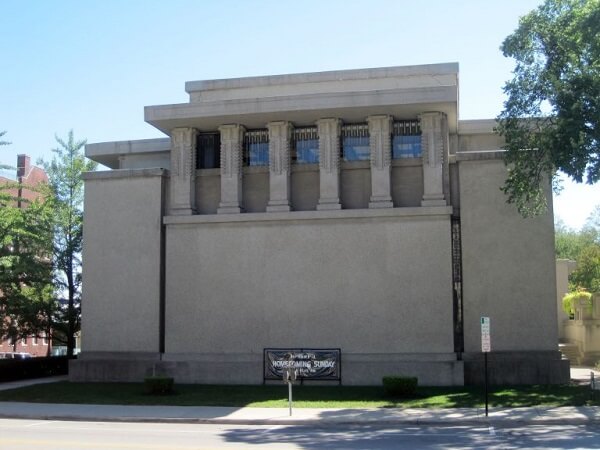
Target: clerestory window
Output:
[(256, 148), (406, 139), (355, 142), (305, 146), (208, 151)]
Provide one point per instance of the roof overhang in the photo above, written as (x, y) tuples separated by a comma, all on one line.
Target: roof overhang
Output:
[(352, 95)]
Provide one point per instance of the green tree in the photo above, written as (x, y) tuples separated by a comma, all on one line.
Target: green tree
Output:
[(584, 248), (551, 116), (26, 243), (3, 166), (64, 174)]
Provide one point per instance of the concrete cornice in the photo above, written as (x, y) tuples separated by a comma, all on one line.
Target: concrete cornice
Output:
[(485, 155), (107, 153), (319, 77), (305, 109), (479, 126), (124, 173), (414, 212)]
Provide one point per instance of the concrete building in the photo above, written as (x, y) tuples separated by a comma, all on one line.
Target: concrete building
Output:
[(348, 210)]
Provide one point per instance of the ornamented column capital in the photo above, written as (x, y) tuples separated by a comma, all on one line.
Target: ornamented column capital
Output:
[(432, 140), (232, 140), (380, 142), (434, 148), (329, 144), (183, 171), (329, 163), (280, 136)]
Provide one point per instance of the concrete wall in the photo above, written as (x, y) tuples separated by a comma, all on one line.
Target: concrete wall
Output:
[(304, 187), (255, 188), (508, 265), (366, 283), (208, 191), (121, 260), (508, 275), (355, 185), (407, 183)]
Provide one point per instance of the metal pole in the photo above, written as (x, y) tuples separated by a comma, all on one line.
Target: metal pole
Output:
[(290, 396), (486, 383)]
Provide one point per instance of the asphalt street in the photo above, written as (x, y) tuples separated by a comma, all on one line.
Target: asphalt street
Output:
[(64, 435)]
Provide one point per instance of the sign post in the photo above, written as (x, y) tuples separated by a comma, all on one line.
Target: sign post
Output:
[(486, 347)]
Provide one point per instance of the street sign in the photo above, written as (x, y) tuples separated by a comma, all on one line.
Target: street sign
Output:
[(486, 341)]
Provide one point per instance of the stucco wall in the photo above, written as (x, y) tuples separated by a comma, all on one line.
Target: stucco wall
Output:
[(355, 185), (208, 191), (368, 285), (304, 187), (121, 261), (407, 184), (255, 189), (508, 265)]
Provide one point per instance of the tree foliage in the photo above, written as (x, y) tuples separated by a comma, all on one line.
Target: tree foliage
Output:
[(584, 248), (65, 179), (551, 116), (3, 166), (26, 242)]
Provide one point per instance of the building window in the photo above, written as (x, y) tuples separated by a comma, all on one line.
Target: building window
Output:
[(208, 151), (45, 339), (256, 148), (24, 342), (305, 146), (355, 142), (406, 139), (34, 340)]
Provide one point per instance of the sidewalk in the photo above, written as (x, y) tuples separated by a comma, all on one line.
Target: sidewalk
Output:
[(303, 416)]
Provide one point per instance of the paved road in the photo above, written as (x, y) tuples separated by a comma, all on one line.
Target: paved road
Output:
[(49, 435)]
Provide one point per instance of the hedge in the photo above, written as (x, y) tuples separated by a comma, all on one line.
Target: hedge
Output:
[(21, 369)]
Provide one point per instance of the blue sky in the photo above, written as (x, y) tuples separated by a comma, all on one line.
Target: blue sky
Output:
[(92, 66)]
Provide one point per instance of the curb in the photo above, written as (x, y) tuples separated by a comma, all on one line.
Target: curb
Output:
[(311, 422)]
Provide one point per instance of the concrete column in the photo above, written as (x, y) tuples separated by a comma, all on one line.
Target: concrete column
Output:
[(280, 135), (434, 146), (183, 171), (380, 141), (329, 163), (232, 140)]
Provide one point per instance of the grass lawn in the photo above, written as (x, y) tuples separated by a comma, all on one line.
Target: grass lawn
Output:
[(304, 396)]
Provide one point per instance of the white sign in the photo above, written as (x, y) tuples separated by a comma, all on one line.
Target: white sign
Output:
[(486, 341)]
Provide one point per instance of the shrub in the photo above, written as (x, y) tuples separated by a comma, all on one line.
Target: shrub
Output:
[(571, 299), (159, 385), (398, 386), (20, 369)]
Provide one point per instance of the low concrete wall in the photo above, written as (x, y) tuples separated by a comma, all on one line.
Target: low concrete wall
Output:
[(586, 335), (509, 368), (236, 368)]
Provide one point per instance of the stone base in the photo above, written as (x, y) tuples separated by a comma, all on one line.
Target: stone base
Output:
[(181, 211), (438, 202), (328, 206), (278, 207), (381, 204), (357, 369), (229, 210), (512, 368)]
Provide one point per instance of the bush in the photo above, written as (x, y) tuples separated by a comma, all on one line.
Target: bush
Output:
[(21, 369), (158, 385), (573, 299), (397, 386)]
